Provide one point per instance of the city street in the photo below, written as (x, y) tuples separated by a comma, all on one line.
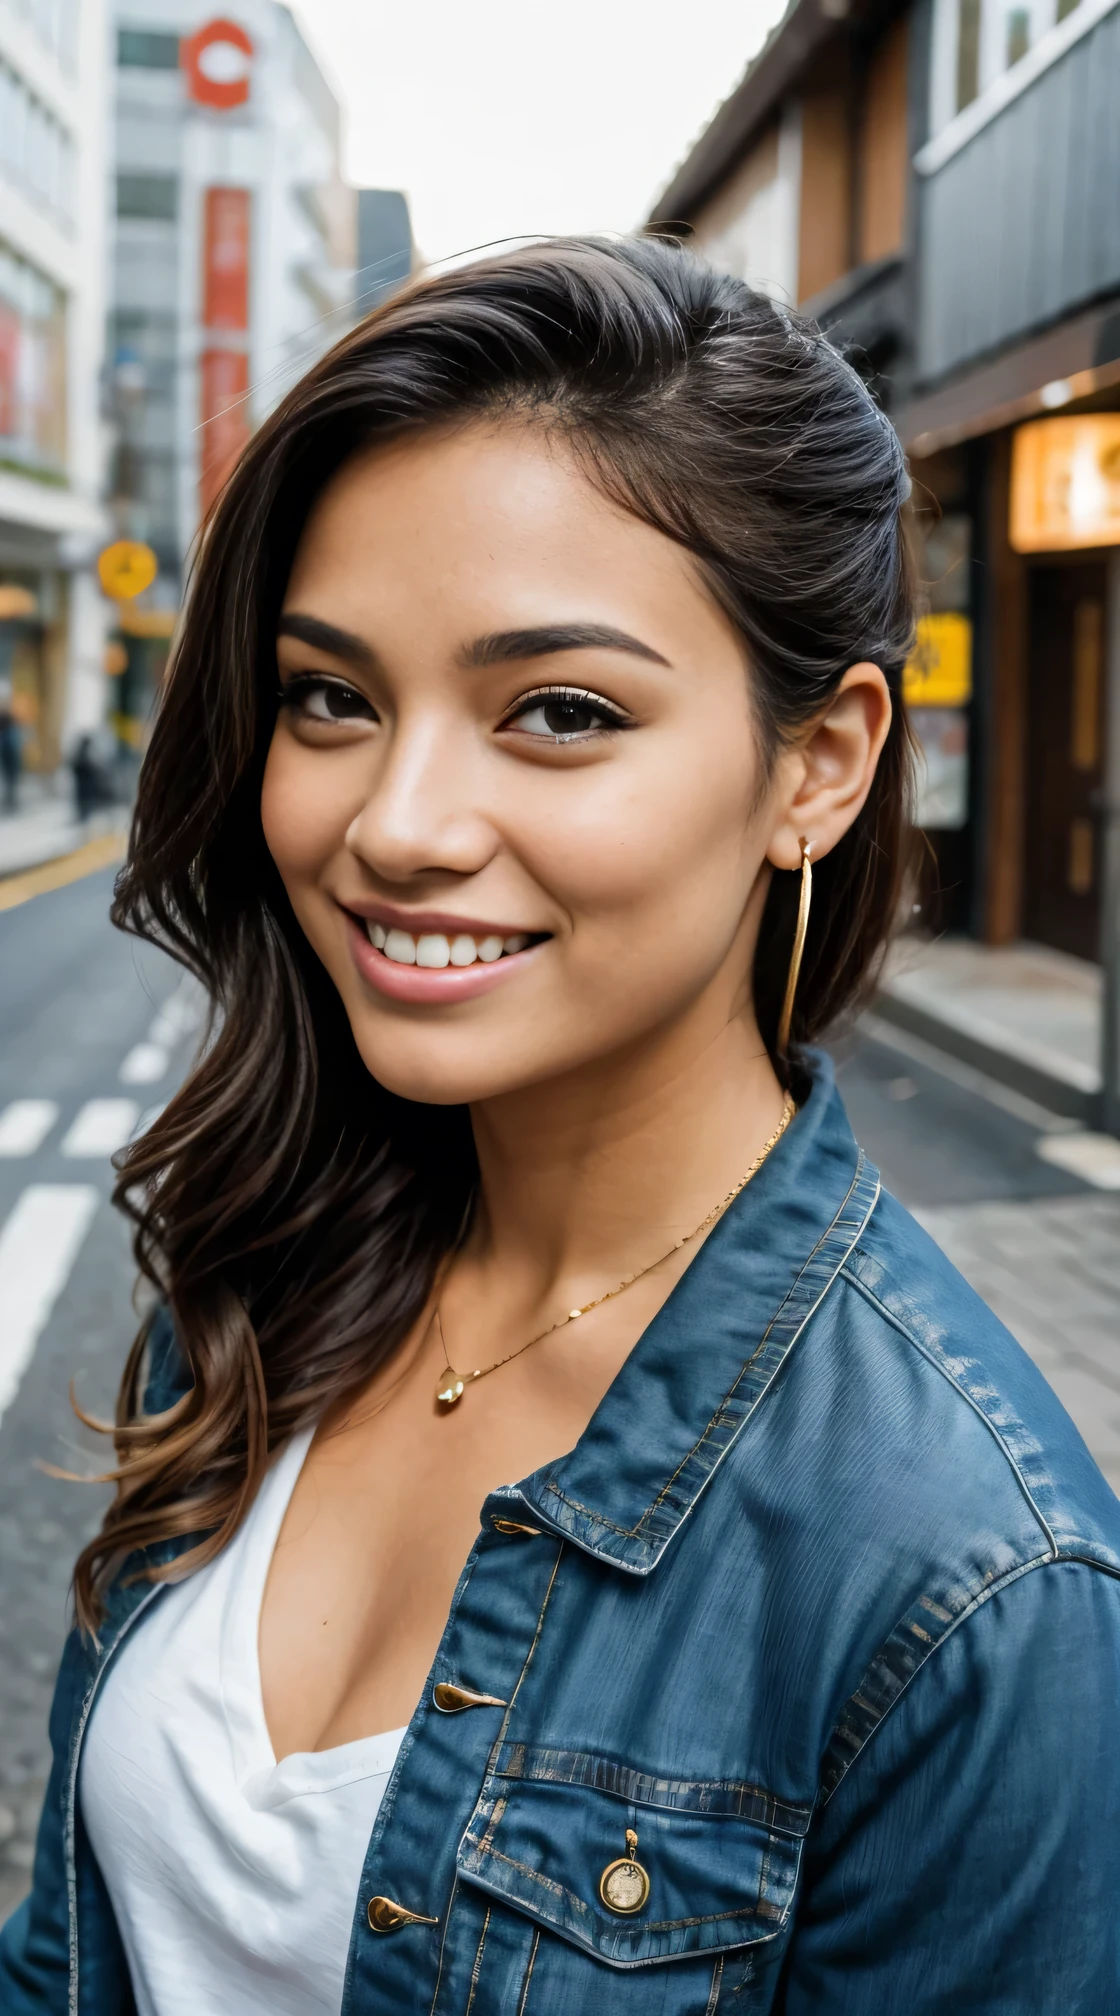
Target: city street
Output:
[(94, 1032)]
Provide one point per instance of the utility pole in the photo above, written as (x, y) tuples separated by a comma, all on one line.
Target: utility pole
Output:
[(1110, 878)]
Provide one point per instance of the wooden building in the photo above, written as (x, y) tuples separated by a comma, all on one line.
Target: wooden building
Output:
[(939, 185)]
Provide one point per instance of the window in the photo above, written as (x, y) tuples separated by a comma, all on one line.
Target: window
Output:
[(36, 153), (32, 367), (968, 52), (151, 196), (147, 49), (976, 42), (56, 23)]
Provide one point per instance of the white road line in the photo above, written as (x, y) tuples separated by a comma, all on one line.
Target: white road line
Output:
[(1093, 1157), (25, 1124), (145, 1064), (101, 1127), (38, 1246)]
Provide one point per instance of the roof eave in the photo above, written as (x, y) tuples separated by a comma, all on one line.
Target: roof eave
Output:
[(798, 35)]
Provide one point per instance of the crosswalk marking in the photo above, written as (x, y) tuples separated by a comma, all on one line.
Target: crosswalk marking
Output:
[(25, 1124), (145, 1064), (101, 1127), (38, 1246)]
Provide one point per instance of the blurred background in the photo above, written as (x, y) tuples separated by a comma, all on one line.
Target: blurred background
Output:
[(194, 206)]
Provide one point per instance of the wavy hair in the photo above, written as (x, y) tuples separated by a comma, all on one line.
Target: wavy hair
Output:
[(290, 1212)]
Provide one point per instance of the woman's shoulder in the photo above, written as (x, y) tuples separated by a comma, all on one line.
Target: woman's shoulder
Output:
[(962, 1394)]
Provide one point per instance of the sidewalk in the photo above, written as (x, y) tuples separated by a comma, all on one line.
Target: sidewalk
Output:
[(44, 827), (1026, 1015), (1050, 1269)]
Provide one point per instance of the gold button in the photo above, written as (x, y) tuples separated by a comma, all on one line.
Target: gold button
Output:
[(511, 1526), (386, 1915), (451, 1700), (624, 1885)]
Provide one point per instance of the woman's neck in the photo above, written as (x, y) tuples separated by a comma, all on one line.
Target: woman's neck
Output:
[(592, 1175)]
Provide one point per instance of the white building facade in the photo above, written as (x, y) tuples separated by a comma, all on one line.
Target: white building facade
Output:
[(232, 265), (53, 128)]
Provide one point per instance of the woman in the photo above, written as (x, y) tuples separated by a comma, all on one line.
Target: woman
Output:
[(544, 646)]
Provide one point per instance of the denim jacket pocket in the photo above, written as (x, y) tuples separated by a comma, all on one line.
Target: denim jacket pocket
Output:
[(721, 1857)]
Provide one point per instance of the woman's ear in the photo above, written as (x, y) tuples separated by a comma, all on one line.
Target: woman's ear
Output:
[(829, 772)]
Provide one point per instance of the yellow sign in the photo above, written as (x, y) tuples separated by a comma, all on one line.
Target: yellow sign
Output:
[(939, 673), (126, 568), (1065, 483)]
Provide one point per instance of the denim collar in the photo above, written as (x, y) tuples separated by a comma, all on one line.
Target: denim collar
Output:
[(706, 1362)]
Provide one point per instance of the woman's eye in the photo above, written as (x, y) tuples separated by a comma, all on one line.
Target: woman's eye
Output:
[(326, 700), (564, 717)]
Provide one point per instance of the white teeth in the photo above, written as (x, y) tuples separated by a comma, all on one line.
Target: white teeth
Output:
[(400, 946), (432, 949)]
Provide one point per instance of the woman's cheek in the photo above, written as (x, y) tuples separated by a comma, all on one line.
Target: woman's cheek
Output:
[(303, 818)]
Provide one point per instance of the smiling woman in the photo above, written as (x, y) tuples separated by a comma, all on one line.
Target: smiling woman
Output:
[(529, 792)]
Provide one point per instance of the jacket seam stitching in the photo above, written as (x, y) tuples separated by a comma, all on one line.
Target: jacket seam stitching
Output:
[(634, 1532), (969, 1610), (930, 1357)]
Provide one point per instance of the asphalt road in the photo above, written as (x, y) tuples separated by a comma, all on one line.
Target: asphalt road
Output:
[(95, 1031)]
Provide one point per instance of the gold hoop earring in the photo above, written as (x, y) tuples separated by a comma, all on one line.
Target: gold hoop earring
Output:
[(803, 903)]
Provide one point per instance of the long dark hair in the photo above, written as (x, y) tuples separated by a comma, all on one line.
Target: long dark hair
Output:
[(290, 1212)]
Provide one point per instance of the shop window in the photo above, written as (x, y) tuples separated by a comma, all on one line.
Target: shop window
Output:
[(147, 49), (151, 196), (32, 368)]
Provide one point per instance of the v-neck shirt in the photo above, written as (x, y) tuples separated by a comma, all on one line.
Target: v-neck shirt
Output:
[(233, 1877)]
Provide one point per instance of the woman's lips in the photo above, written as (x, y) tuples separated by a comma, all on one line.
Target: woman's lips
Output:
[(428, 984)]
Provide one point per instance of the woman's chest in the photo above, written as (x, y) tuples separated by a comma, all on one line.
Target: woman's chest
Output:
[(580, 1725)]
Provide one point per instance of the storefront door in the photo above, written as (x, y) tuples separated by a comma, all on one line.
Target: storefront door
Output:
[(1065, 754)]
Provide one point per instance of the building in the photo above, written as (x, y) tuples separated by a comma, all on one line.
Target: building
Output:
[(53, 106), (1012, 423), (938, 183), (385, 250), (234, 244)]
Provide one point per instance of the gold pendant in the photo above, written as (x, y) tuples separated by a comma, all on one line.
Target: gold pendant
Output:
[(624, 1885), (451, 1394)]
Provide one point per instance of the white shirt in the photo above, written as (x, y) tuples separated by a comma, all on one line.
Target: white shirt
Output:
[(233, 1878)]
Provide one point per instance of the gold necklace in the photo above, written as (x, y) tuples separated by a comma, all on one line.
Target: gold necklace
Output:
[(453, 1384)]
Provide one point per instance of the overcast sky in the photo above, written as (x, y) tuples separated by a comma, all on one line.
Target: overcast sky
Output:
[(509, 118)]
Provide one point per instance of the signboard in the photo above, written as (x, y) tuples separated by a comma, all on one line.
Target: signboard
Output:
[(1065, 483), (225, 270), (939, 672), (225, 417), (217, 64), (126, 568)]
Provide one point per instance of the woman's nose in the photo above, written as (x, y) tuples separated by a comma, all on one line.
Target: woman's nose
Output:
[(424, 814)]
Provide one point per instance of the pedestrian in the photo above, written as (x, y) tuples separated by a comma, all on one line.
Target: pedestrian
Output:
[(529, 790), (92, 787), (11, 746)]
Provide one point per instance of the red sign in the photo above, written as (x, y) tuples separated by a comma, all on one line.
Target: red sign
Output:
[(217, 62), (225, 418), (225, 276)]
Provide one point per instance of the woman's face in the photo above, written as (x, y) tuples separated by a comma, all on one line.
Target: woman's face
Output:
[(516, 790)]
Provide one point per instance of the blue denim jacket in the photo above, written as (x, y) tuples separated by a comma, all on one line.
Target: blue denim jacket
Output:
[(824, 1606)]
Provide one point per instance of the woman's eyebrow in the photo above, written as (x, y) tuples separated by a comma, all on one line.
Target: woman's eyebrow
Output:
[(327, 637), (504, 646)]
